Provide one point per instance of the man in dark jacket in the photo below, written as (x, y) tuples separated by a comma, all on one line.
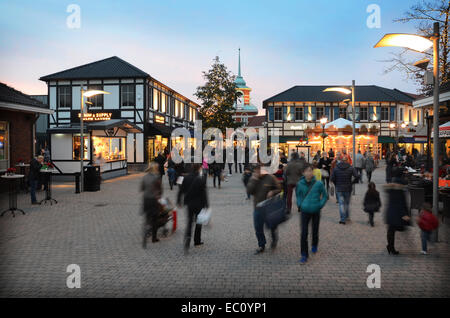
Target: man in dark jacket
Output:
[(262, 186), (33, 176), (342, 178), (160, 159), (193, 194)]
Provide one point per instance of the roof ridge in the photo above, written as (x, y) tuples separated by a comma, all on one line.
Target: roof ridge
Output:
[(280, 93), (24, 95), (94, 62), (383, 90)]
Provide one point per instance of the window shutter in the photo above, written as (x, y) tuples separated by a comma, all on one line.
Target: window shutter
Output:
[(357, 110), (378, 113), (270, 113), (336, 113), (313, 112), (327, 113), (392, 116), (285, 113), (370, 113)]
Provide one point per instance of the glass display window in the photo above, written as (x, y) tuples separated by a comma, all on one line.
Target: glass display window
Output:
[(76, 147), (4, 145), (109, 148)]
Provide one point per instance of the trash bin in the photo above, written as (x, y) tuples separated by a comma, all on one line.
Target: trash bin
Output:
[(91, 178)]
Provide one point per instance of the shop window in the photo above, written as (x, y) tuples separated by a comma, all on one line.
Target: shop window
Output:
[(384, 113), (109, 148), (4, 145), (163, 103), (155, 99), (97, 100), (76, 148), (299, 113), (343, 112), (128, 93), (64, 96), (278, 113), (363, 113)]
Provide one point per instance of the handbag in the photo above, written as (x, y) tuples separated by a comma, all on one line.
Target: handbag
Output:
[(204, 216), (332, 190), (274, 211)]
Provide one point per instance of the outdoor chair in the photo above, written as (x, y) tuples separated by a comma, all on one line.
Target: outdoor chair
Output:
[(417, 196)]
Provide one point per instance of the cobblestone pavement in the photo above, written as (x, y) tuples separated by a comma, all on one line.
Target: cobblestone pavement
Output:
[(101, 232)]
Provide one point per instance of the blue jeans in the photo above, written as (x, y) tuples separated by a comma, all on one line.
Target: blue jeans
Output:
[(33, 186), (425, 236), (171, 176), (258, 222), (344, 203)]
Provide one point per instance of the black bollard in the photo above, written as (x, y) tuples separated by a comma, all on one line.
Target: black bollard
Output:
[(77, 182)]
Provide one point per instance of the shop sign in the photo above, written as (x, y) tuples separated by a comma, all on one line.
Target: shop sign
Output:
[(297, 127), (159, 119), (95, 116)]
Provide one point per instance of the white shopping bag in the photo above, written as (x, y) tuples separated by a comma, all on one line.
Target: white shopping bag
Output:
[(180, 180), (204, 216)]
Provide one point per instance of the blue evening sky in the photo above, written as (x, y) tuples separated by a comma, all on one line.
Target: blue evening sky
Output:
[(283, 43)]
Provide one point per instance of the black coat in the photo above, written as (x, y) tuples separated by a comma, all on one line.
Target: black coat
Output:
[(396, 206), (193, 193), (35, 168), (343, 177), (160, 160), (372, 202)]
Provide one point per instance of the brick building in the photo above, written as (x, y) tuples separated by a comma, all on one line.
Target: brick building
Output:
[(18, 114)]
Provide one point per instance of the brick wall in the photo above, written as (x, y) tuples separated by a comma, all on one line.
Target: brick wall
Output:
[(20, 135)]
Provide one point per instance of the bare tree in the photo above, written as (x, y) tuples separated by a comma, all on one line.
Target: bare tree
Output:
[(423, 15)]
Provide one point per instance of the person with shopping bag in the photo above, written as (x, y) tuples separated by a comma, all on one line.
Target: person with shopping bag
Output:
[(192, 193), (262, 186), (311, 198)]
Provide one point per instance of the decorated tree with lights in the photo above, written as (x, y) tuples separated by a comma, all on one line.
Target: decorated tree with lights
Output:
[(217, 97)]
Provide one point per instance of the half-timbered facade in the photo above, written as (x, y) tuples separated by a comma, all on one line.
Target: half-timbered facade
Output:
[(151, 106), (384, 115)]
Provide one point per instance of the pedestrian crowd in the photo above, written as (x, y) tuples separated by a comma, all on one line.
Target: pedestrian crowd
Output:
[(330, 175)]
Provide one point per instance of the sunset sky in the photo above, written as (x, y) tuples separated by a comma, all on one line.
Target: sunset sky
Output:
[(283, 43)]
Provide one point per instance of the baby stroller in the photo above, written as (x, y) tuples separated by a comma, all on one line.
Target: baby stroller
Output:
[(166, 220)]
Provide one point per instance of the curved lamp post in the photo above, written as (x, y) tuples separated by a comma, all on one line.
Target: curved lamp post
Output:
[(421, 44), (87, 93), (323, 121), (347, 91)]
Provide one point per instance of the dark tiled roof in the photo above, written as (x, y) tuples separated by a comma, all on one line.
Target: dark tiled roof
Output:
[(11, 95), (112, 67), (366, 93), (256, 121)]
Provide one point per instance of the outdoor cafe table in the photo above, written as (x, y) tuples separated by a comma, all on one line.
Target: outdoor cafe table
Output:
[(23, 183), (12, 193), (48, 191)]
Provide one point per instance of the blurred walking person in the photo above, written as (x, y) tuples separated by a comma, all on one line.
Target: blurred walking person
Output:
[(427, 223), (151, 186), (171, 172), (262, 186), (342, 178), (192, 194), (370, 166), (34, 176), (372, 202), (396, 214), (311, 198), (325, 167), (294, 171), (359, 165)]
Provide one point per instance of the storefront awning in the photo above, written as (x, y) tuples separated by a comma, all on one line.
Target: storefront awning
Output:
[(386, 140), (101, 125), (158, 129), (124, 124)]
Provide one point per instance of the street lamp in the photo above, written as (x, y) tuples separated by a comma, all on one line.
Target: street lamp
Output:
[(87, 93), (421, 44), (323, 121), (347, 91)]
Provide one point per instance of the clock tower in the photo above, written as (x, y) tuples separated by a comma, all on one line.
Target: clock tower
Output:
[(243, 108)]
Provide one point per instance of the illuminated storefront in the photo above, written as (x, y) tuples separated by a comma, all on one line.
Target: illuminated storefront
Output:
[(105, 144)]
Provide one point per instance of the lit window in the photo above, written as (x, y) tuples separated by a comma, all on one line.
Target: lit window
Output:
[(128, 95)]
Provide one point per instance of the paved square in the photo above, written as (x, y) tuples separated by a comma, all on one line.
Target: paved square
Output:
[(101, 232)]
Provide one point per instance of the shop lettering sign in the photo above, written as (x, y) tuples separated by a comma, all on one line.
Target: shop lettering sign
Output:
[(95, 116)]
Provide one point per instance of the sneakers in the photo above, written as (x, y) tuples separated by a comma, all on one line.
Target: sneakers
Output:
[(424, 253), (341, 222), (314, 249), (304, 259), (259, 250)]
